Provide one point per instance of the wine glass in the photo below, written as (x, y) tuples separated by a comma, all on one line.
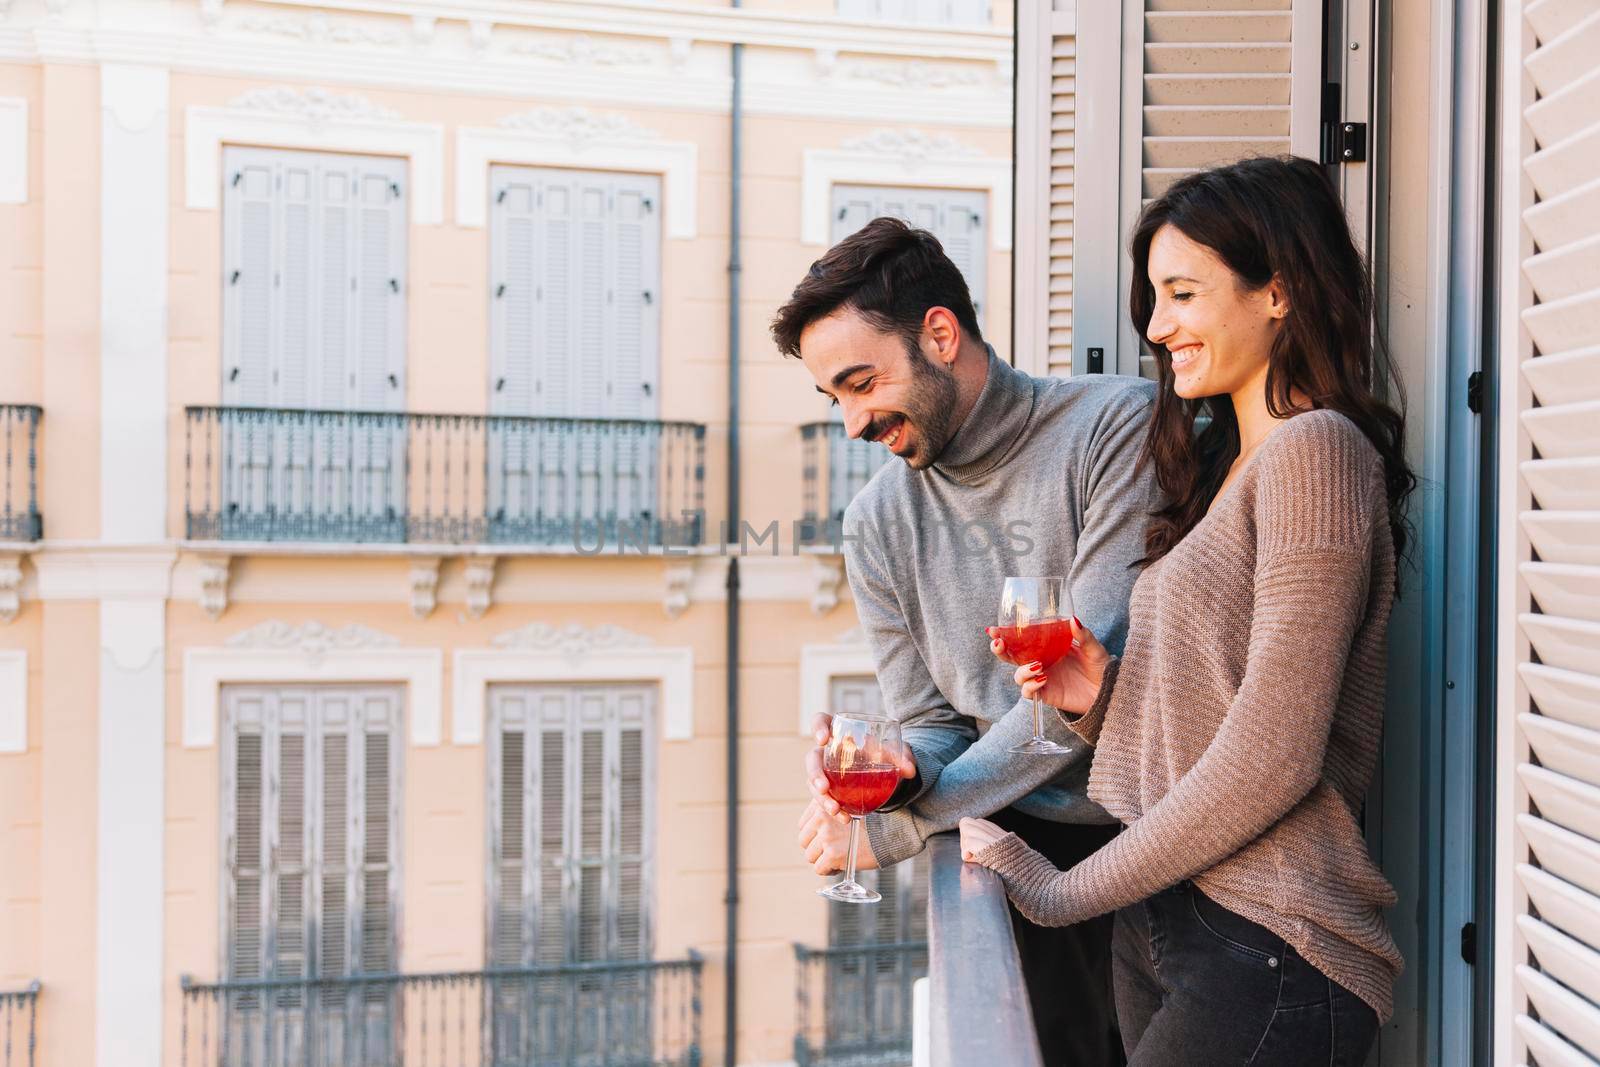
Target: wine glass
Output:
[(862, 768), (1036, 624)]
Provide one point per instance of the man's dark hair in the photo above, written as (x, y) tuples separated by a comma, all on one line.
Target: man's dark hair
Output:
[(890, 273)]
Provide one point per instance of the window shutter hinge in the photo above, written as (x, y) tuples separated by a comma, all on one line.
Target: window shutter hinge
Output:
[(1344, 142), (394, 382), (394, 283), (233, 375), (843, 212), (649, 298), (649, 204), (1475, 392), (394, 188), (500, 290), (233, 279), (500, 197), (1469, 943), (238, 176), (499, 384)]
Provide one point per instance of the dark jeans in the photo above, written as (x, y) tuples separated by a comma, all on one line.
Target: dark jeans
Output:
[(1199, 985), (1067, 968)]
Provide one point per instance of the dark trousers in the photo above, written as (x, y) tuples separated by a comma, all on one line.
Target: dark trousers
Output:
[(1197, 985), (1067, 969)]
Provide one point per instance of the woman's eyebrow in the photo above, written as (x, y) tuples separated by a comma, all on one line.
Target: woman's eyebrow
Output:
[(1179, 278)]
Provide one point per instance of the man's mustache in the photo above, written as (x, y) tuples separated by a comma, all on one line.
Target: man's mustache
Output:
[(877, 428)]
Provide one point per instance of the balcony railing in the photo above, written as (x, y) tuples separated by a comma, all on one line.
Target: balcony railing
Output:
[(269, 474), (834, 467), (972, 959), (853, 1004), (577, 1015), (19, 478), (19, 1026)]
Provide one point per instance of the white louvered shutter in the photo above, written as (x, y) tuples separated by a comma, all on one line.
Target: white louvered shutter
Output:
[(312, 809), (1224, 81), (1062, 120), (1551, 535)]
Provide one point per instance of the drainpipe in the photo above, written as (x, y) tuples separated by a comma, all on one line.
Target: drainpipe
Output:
[(736, 117)]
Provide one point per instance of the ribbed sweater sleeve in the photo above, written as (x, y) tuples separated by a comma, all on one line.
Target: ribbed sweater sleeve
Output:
[(1314, 517)]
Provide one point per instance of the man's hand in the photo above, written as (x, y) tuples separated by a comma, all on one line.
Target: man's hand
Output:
[(826, 843), (821, 730)]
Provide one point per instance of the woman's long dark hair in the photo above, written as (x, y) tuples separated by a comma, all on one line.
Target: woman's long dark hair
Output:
[(1265, 219)]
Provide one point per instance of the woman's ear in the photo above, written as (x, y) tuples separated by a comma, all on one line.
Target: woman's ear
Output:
[(1277, 298)]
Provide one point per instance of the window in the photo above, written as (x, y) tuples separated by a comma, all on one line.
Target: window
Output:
[(570, 840), (954, 216), (938, 12), (314, 317), (312, 817), (575, 284)]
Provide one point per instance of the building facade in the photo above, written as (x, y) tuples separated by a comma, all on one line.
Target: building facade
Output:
[(364, 395)]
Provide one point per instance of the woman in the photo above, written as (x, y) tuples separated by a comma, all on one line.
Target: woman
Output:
[(1238, 734)]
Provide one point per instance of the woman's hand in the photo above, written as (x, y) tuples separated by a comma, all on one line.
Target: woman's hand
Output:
[(977, 835), (1073, 683)]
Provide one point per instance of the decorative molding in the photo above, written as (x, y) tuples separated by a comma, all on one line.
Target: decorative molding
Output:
[(573, 639), (572, 137), (480, 585), (827, 61), (827, 574), (476, 669), (13, 150), (318, 120), (911, 146), (214, 574), (423, 27), (583, 51), (10, 585), (13, 700), (424, 583), (210, 13), (915, 76), (312, 652), (480, 32), (679, 51), (313, 640), (317, 106), (821, 664), (679, 579), (318, 28), (906, 157)]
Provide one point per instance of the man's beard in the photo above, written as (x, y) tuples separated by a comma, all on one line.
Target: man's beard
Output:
[(929, 410)]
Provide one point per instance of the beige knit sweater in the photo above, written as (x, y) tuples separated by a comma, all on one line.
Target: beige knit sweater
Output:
[(1237, 735)]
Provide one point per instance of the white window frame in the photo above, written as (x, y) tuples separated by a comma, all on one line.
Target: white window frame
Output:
[(358, 132), (820, 664), (565, 140), (538, 653), (277, 652), (877, 160)]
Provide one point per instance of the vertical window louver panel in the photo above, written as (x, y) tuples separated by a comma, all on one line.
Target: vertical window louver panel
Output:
[(1552, 374), (1219, 85), (1063, 105), (312, 815), (586, 850)]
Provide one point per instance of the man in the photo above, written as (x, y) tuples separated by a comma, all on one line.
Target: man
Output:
[(1003, 474)]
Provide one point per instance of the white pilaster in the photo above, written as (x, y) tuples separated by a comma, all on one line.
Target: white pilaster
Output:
[(133, 302), (129, 905)]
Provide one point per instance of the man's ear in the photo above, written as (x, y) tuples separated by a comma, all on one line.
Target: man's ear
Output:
[(941, 334)]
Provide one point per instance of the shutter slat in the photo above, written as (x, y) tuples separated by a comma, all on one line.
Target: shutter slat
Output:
[(1566, 959), (1570, 1014), (1550, 1049), (1570, 696), (1566, 908), (1564, 536), (1569, 856), (1563, 748), (1563, 801), (1564, 589), (1565, 484), (1570, 643)]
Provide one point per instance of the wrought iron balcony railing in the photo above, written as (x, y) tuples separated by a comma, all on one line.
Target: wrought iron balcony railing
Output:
[(834, 467), (269, 474), (19, 478), (588, 1014), (853, 1004), (19, 1022), (972, 959)]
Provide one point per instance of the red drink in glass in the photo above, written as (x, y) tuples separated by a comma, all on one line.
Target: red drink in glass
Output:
[(864, 788), (1045, 642)]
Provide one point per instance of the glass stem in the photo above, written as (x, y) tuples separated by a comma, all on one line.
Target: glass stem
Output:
[(1038, 721), (850, 863)]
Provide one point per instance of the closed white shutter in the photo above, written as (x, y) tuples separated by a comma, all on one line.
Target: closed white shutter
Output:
[(1549, 936), (1063, 90), (312, 814)]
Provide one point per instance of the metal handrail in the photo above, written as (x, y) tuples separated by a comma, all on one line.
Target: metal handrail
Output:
[(973, 959)]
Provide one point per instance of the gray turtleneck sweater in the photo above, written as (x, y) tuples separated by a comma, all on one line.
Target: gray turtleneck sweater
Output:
[(1042, 478)]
